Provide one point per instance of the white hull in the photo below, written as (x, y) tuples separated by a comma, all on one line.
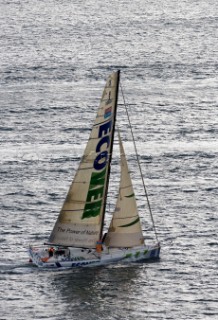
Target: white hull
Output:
[(76, 257)]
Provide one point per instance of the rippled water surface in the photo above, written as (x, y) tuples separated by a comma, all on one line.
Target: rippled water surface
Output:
[(54, 59)]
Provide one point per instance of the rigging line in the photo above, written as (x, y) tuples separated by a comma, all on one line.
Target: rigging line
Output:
[(139, 165)]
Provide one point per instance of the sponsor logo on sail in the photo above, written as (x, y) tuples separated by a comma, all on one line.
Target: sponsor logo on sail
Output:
[(97, 182)]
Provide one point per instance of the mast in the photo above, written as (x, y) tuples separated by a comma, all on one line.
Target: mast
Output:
[(110, 153)]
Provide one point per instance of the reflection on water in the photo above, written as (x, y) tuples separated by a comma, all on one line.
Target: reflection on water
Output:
[(98, 291)]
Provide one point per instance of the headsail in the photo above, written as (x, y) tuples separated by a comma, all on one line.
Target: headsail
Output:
[(80, 221), (125, 228)]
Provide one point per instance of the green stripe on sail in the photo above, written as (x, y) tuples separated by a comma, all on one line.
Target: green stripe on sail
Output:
[(130, 224), (130, 196)]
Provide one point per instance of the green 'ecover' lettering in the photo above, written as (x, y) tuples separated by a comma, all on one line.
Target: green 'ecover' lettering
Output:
[(97, 178), (92, 209), (96, 190)]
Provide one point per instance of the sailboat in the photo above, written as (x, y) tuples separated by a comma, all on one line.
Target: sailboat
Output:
[(78, 238)]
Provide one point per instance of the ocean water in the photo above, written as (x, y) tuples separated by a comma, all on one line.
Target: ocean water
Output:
[(54, 59)]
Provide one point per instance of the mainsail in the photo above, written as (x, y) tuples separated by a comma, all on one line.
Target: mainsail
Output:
[(80, 221), (125, 228)]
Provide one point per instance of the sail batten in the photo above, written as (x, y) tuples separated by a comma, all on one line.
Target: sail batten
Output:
[(126, 217), (126, 187), (80, 221)]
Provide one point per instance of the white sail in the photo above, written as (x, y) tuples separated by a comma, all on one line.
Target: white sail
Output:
[(81, 218), (125, 228)]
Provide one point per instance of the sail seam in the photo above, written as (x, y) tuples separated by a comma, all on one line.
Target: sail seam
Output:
[(100, 123)]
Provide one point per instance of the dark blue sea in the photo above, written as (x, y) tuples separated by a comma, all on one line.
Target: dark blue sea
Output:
[(54, 59)]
